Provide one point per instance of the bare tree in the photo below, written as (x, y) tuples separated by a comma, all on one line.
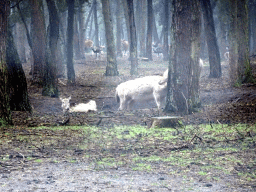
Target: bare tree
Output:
[(111, 69)]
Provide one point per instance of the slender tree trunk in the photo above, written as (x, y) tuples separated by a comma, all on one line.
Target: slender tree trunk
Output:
[(126, 16), (38, 40), (213, 49), (155, 34), (70, 33), (81, 27), (96, 24), (133, 42), (118, 28), (5, 111), (111, 69), (149, 30), (50, 77), (88, 19), (141, 11), (76, 40), (166, 27)]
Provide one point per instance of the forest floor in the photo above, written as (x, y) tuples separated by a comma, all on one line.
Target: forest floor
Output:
[(46, 159)]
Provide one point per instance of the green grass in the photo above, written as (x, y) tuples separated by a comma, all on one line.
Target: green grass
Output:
[(215, 148)]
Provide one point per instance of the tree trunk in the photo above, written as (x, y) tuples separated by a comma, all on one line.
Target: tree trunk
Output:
[(133, 42), (213, 49), (50, 77), (141, 26), (111, 69), (17, 80), (5, 111), (20, 41), (118, 29), (76, 40), (149, 30), (38, 40), (96, 42), (166, 27), (126, 16), (240, 69), (155, 34), (87, 20), (70, 33), (81, 27), (252, 27), (183, 78)]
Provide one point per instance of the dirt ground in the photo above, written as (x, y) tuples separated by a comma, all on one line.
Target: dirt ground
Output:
[(221, 103)]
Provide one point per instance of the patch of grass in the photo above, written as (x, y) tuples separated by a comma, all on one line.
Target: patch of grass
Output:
[(38, 160), (202, 173), (142, 167)]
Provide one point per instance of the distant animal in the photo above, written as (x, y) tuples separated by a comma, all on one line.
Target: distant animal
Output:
[(142, 90), (96, 50), (158, 49), (226, 56), (124, 45), (88, 44), (81, 107)]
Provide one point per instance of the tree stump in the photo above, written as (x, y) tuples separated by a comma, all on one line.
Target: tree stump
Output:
[(144, 59), (166, 121)]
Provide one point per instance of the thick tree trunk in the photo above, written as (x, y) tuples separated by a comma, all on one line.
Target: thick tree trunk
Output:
[(183, 80), (111, 69), (17, 80), (70, 33), (5, 111), (240, 69), (50, 77), (252, 26), (213, 49), (38, 40), (149, 30), (133, 42)]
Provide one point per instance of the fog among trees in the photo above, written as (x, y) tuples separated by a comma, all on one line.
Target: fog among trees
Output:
[(51, 34)]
